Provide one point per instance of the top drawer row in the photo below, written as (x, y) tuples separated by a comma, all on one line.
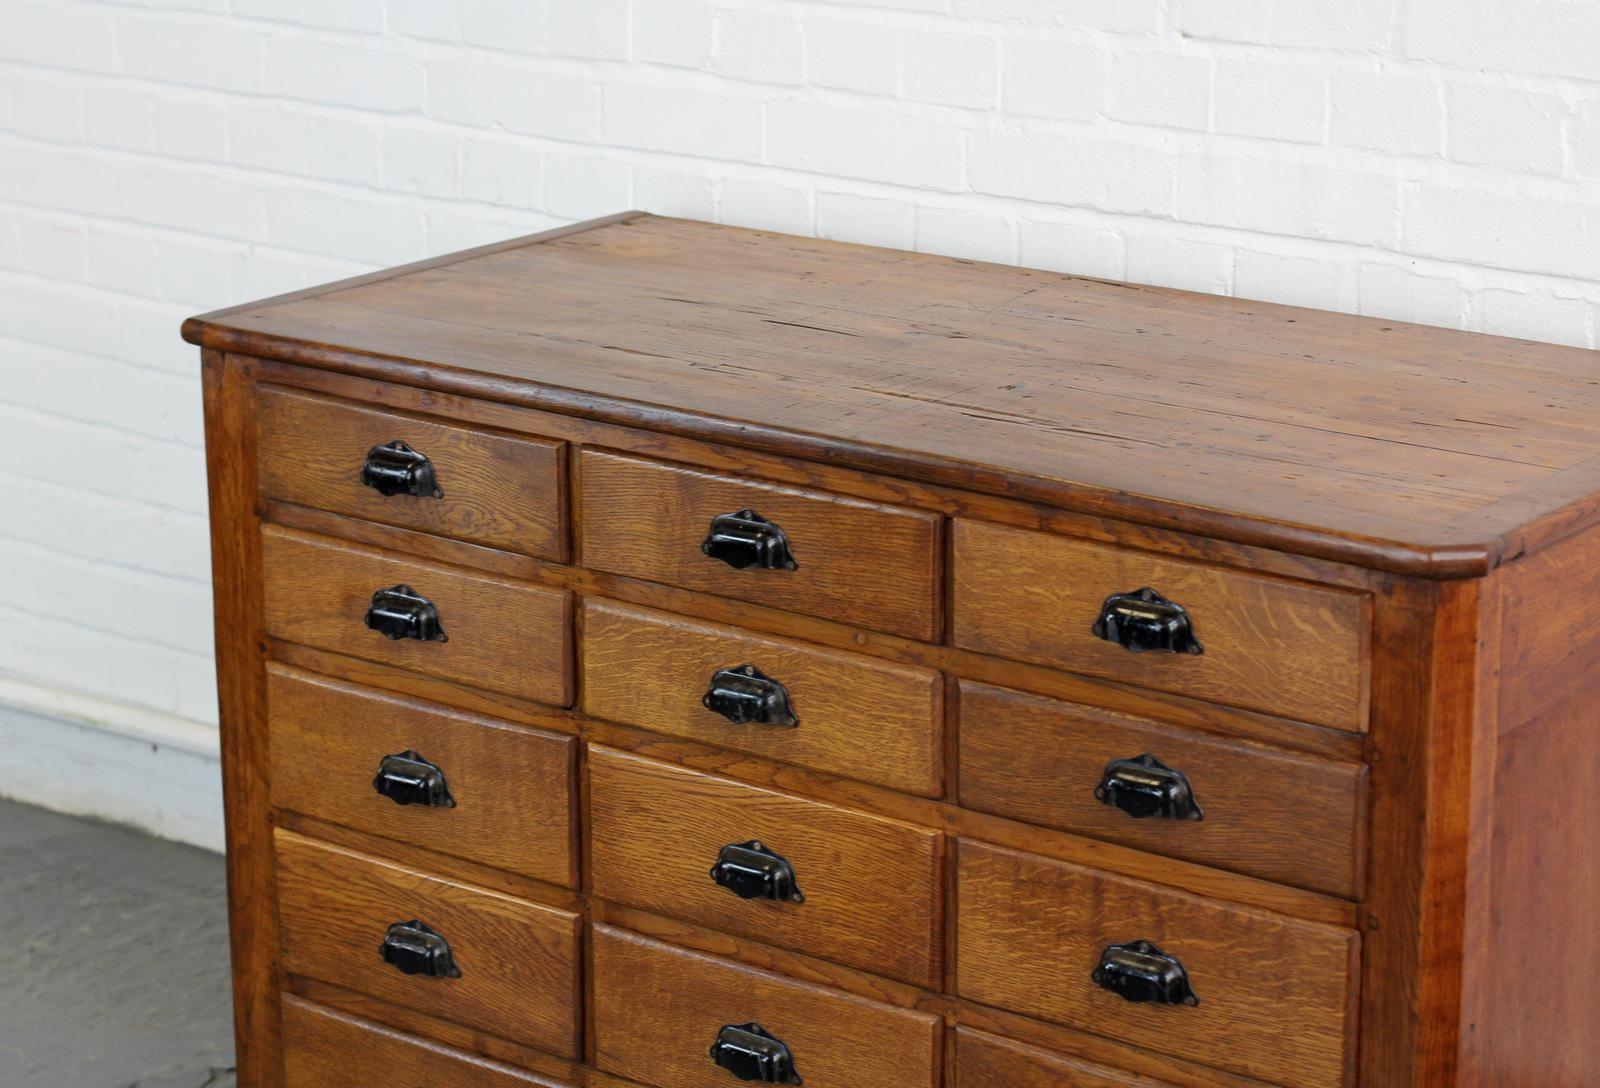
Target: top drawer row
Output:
[(1226, 636)]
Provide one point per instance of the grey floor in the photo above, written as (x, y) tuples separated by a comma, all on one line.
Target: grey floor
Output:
[(113, 958)]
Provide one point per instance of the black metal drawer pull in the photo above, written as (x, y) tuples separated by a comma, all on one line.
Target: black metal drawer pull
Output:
[(745, 694), (1145, 620), (751, 871), (413, 948), (1140, 972), (751, 1052), (407, 779), (1146, 787), (397, 469), (746, 539), (401, 612)]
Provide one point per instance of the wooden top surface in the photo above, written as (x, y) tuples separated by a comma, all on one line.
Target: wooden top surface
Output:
[(1397, 446)]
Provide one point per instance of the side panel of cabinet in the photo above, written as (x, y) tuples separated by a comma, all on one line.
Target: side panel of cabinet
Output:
[(1532, 940), (241, 679)]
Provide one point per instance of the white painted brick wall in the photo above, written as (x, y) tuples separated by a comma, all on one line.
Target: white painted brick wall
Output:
[(1432, 160)]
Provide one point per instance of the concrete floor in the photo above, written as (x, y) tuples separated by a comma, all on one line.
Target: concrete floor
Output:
[(113, 958)]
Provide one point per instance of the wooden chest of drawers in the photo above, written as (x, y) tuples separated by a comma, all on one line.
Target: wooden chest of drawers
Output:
[(662, 654)]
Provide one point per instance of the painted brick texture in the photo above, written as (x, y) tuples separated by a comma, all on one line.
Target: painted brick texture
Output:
[(1428, 160)]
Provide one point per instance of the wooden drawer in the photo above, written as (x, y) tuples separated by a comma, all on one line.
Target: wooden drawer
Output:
[(1269, 644), (1276, 994), (326, 1049), (857, 716), (871, 885), (496, 489), (1288, 818), (988, 1061), (511, 795), (658, 1010), (857, 562), (505, 636), (518, 960)]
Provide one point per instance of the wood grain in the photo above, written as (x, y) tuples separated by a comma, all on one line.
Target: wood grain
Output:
[(1429, 659), (327, 1049), (1301, 479), (241, 682), (518, 960), (498, 489), (860, 718), (826, 476), (1269, 813), (1270, 644), (1423, 450), (657, 1010), (507, 636), (953, 819), (1146, 702), (869, 882), (1534, 945), (1276, 995), (513, 787), (869, 564), (989, 1061)]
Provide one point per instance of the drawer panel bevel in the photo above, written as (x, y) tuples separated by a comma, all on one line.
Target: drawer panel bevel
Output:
[(861, 563), (518, 960), (1267, 812), (497, 489), (1272, 644), (871, 884), (327, 1049), (658, 1009), (861, 717), (512, 785), (1276, 994), (511, 637)]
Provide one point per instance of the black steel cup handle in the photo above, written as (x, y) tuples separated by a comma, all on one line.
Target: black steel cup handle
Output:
[(396, 469)]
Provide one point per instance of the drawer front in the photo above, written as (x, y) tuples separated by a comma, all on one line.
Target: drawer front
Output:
[(870, 884), (1266, 644), (477, 788), (518, 961), (1276, 995), (503, 636), (1287, 818), (853, 715), (326, 1049), (495, 489), (659, 1011), (988, 1061), (856, 562)]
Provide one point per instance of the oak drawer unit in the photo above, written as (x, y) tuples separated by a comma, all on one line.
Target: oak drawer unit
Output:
[(782, 661)]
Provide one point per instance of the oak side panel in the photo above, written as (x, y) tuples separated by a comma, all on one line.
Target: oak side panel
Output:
[(514, 787), (228, 384), (327, 1049), (867, 719), (868, 564), (1270, 644), (657, 1010), (1275, 994), (1535, 952), (1271, 813), (505, 491)]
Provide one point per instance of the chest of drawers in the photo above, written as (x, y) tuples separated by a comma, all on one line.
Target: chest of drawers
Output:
[(660, 654)]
